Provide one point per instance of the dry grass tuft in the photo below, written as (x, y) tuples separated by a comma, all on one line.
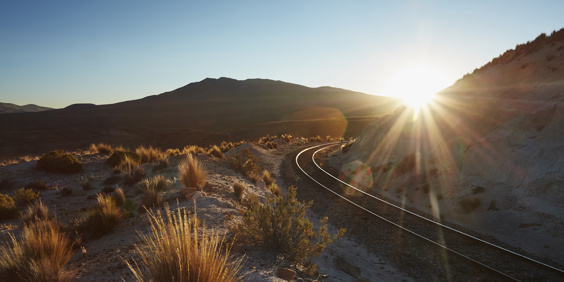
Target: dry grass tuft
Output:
[(152, 198), (192, 173), (24, 197), (216, 152), (101, 148), (267, 178), (162, 164), (39, 255), (118, 196), (239, 189), (7, 207), (177, 251), (105, 216), (36, 212), (149, 155), (157, 183), (274, 189)]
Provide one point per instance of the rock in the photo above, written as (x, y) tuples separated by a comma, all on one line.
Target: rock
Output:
[(194, 196), (346, 267), (286, 274)]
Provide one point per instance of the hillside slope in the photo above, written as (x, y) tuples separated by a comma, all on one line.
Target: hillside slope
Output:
[(7, 108), (200, 113), (488, 154)]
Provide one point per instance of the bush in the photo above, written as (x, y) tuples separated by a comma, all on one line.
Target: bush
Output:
[(157, 183), (191, 173), (239, 189), (119, 156), (38, 185), (7, 207), (39, 255), (101, 148), (118, 196), (24, 197), (151, 198), (177, 251), (134, 176), (274, 189), (105, 216), (267, 178), (245, 163), (287, 137), (59, 162), (149, 155), (216, 152), (280, 225), (36, 212)]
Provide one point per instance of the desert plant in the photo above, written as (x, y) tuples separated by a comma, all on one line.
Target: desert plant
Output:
[(105, 216), (24, 197), (7, 207), (267, 178), (119, 156), (345, 148), (38, 185), (86, 185), (149, 155), (280, 225), (245, 163), (177, 251), (59, 162), (162, 164), (274, 189), (129, 206), (151, 198), (172, 152), (134, 176), (34, 212), (192, 173), (287, 137), (239, 189), (216, 152), (157, 183), (118, 196), (39, 255), (101, 148)]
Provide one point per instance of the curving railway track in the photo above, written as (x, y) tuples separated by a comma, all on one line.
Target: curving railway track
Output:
[(445, 251)]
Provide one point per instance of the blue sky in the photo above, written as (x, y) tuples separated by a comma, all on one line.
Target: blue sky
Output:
[(56, 53)]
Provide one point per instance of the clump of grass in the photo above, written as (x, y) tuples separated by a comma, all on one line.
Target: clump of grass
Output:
[(161, 164), (101, 148), (38, 185), (157, 183), (193, 149), (36, 212), (177, 251), (287, 137), (346, 147), (239, 189), (172, 152), (216, 152), (192, 173), (119, 156), (149, 155), (118, 196), (245, 163), (105, 216), (274, 189), (59, 162), (39, 255), (267, 178), (7, 207), (24, 197), (272, 145), (86, 185), (280, 225), (151, 198), (134, 176), (66, 191)]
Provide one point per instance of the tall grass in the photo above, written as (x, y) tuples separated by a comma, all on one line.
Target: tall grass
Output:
[(105, 216), (149, 155), (192, 173), (101, 148), (39, 255), (177, 251)]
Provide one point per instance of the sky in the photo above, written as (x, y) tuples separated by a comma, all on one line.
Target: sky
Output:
[(58, 53)]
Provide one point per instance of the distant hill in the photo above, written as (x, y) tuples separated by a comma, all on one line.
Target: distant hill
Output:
[(488, 154), (7, 108), (211, 110)]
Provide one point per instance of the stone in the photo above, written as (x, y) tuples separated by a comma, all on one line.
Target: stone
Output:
[(286, 274)]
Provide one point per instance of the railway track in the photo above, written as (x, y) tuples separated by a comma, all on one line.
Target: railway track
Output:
[(453, 254)]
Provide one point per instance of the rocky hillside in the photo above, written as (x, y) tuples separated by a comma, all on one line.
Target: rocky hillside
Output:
[(7, 108), (487, 154)]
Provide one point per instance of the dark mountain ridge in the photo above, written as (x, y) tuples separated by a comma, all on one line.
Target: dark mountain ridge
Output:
[(8, 108)]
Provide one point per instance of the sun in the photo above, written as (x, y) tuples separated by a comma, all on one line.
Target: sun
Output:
[(417, 85)]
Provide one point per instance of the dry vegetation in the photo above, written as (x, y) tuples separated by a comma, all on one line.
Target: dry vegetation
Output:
[(192, 173)]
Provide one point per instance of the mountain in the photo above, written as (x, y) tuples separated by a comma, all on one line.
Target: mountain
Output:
[(211, 110), (7, 108), (488, 154)]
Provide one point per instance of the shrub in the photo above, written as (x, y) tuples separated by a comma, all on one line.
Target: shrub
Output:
[(7, 207), (274, 189), (127, 164), (149, 155), (119, 156), (280, 225), (177, 251), (216, 152), (469, 205), (118, 196), (101, 148), (39, 255), (24, 197), (134, 176), (105, 216), (287, 137), (162, 164), (191, 173), (157, 183), (239, 189), (36, 212), (59, 162), (267, 178), (245, 163), (151, 198), (129, 206)]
